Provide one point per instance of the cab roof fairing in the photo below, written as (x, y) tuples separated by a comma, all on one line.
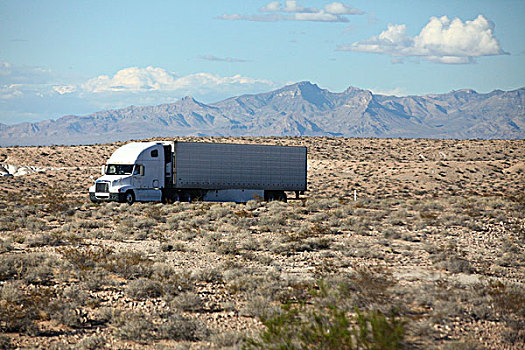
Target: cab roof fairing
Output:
[(132, 152)]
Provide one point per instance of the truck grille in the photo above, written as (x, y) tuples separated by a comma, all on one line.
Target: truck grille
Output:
[(101, 187)]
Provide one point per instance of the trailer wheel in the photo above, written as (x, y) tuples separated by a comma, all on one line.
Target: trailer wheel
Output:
[(175, 197), (130, 197)]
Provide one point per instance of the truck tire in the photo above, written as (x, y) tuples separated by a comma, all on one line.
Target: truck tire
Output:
[(271, 196), (130, 197)]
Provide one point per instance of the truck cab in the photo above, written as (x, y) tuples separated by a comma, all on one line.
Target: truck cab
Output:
[(137, 171)]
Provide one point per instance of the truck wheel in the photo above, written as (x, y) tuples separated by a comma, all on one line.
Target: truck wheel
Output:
[(130, 197)]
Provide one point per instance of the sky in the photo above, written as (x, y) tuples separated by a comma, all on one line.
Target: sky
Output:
[(77, 57)]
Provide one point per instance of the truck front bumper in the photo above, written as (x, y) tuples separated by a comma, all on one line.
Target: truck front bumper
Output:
[(113, 197)]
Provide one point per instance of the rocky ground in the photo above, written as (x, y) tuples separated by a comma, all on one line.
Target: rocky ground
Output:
[(430, 255)]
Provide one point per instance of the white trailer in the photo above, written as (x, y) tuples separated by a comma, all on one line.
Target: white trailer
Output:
[(183, 171)]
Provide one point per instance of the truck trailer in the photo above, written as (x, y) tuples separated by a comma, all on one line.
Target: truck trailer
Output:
[(171, 171)]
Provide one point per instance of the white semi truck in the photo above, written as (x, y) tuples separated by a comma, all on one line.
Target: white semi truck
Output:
[(171, 171)]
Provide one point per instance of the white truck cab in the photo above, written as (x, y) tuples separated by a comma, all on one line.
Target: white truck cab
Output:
[(136, 171)]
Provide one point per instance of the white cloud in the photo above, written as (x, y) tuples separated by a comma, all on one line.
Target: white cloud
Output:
[(64, 89), (397, 91), (289, 6), (10, 73), (223, 59), (291, 10), (274, 6), (294, 7), (338, 8), (10, 91), (441, 40), (55, 96), (273, 17), (320, 16), (135, 79)]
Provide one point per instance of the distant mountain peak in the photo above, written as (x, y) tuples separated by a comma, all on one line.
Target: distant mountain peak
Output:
[(307, 84), (300, 109), (189, 101), (302, 86), (304, 83), (465, 91)]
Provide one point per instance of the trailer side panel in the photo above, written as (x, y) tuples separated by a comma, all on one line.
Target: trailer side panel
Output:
[(234, 166)]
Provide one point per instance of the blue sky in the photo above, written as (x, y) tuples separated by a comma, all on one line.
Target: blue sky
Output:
[(78, 57)]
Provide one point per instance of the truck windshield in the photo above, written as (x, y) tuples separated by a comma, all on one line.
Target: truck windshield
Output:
[(119, 169)]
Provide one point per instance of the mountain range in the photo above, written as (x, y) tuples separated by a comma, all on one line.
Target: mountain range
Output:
[(301, 109)]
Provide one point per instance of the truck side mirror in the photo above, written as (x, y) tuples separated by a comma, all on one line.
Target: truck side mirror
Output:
[(103, 170), (141, 170)]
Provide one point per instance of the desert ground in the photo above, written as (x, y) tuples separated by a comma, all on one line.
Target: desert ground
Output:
[(431, 255)]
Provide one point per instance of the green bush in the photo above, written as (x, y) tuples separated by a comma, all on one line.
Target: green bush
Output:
[(326, 325)]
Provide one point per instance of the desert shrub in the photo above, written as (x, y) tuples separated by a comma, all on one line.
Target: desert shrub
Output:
[(55, 201), (187, 301), (5, 342), (294, 244), (128, 264), (173, 246), (253, 204), (85, 258), (207, 275), (68, 307), (452, 259), (227, 339), (323, 204), (45, 239), (366, 287), (133, 325), (391, 232), (198, 221), (273, 221), (96, 279), (249, 243), (508, 300), (93, 342), (319, 217), (35, 225), (154, 212), (68, 314), (327, 325), (33, 268), (259, 306), (221, 245), (463, 345), (399, 217), (177, 327), (6, 245), (172, 282), (19, 310), (143, 288), (144, 223), (78, 295)]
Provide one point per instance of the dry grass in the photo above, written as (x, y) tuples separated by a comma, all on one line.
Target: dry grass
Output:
[(437, 242)]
